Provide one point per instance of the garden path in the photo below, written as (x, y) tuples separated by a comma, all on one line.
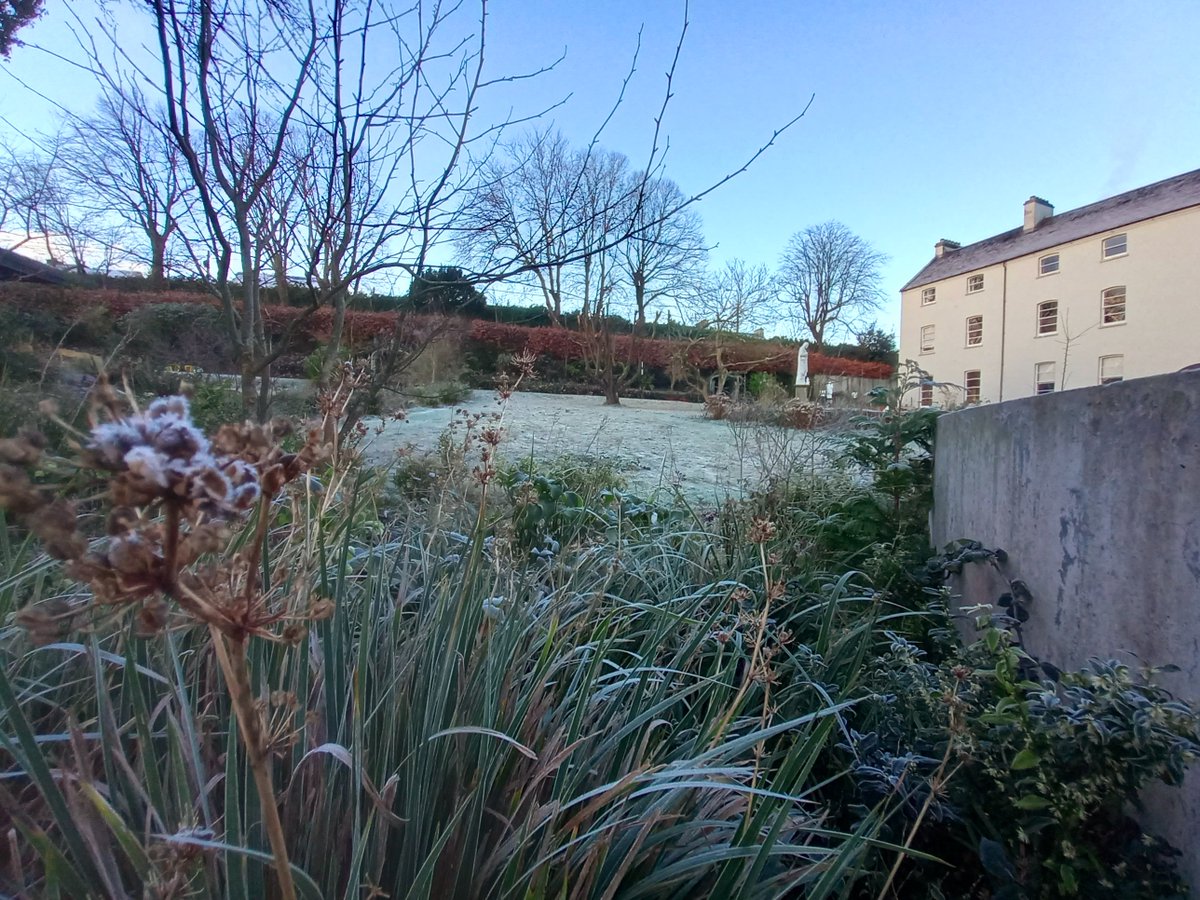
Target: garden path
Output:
[(656, 443)]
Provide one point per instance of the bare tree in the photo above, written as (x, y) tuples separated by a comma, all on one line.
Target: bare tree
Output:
[(829, 278), (606, 204), (737, 297), (128, 169), (40, 210), (527, 214), (666, 250)]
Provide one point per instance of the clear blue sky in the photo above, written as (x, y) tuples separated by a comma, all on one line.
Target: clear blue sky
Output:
[(929, 120)]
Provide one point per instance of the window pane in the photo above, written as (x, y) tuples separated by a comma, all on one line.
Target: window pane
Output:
[(1047, 321), (974, 331), (1112, 369), (927, 339), (1049, 264), (1113, 306), (927, 394), (1115, 245), (971, 381), (929, 295), (1044, 378)]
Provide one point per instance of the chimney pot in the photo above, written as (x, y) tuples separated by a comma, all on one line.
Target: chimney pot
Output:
[(944, 246), (1036, 209)]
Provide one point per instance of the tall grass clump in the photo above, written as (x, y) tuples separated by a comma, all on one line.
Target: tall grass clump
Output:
[(318, 689)]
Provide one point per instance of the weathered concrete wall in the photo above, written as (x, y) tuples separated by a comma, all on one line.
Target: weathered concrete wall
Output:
[(1095, 494)]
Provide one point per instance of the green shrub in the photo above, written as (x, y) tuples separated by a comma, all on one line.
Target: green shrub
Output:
[(215, 403)]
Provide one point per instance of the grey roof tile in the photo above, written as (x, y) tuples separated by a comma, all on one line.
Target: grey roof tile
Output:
[(1156, 199)]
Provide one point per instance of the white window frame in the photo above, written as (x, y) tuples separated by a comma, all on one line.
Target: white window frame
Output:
[(978, 388), (1105, 253), (928, 337), (975, 283), (1039, 377), (1101, 379), (978, 342), (1042, 265), (928, 296), (1038, 319), (926, 396), (1104, 302)]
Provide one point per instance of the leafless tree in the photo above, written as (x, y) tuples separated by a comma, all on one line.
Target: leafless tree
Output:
[(128, 169), (666, 250), (737, 297), (829, 278), (605, 209), (527, 214), (40, 211)]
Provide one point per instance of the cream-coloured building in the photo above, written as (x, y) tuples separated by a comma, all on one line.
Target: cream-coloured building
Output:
[(1098, 294)]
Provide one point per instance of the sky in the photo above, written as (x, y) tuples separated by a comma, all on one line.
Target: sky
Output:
[(927, 120)]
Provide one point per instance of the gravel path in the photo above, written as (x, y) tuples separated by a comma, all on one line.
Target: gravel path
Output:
[(657, 443)]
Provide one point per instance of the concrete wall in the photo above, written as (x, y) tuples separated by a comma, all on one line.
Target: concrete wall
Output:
[(1095, 494)]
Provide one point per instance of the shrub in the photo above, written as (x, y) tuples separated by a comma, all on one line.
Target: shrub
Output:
[(183, 333), (717, 406), (215, 403)]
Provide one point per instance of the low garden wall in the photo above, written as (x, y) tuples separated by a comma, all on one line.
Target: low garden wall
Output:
[(1095, 496)]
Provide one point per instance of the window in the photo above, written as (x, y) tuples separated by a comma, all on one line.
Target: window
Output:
[(1047, 317), (1048, 265), (1112, 369), (971, 381), (927, 339), (1043, 378), (929, 295), (974, 331), (974, 284), (1112, 306), (1114, 246), (927, 393)]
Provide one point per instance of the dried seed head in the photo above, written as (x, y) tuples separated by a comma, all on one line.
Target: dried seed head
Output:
[(762, 530)]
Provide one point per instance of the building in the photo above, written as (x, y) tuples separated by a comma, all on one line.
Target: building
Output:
[(15, 267), (1098, 294)]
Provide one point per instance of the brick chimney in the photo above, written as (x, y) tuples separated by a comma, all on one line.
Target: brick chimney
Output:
[(942, 247), (1036, 209)]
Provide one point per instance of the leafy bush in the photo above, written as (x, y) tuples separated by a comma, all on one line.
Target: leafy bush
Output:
[(1035, 774), (215, 403)]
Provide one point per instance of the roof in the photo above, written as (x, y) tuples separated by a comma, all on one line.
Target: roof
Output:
[(15, 267), (1160, 198)]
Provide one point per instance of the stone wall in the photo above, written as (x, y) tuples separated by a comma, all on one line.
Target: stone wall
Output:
[(1095, 494)]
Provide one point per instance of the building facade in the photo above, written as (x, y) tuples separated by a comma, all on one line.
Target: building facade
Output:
[(1098, 294)]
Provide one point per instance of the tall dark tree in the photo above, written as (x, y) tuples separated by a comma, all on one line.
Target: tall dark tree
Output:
[(445, 289), (829, 279), (15, 15)]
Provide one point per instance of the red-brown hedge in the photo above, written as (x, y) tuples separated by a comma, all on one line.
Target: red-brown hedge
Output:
[(361, 327)]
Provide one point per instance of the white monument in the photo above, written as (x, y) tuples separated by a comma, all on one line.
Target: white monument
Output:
[(802, 365)]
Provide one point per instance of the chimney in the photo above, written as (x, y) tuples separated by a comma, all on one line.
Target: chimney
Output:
[(942, 247), (1036, 209)]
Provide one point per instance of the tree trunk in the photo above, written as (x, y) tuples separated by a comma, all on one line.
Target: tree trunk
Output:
[(158, 260), (332, 348)]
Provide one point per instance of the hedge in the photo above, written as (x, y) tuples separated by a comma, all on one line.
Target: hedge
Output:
[(739, 355)]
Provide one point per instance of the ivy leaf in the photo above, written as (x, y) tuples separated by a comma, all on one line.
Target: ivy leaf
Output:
[(994, 859), (1026, 759), (1032, 801)]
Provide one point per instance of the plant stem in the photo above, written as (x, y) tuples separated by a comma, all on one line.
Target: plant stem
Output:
[(235, 667)]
